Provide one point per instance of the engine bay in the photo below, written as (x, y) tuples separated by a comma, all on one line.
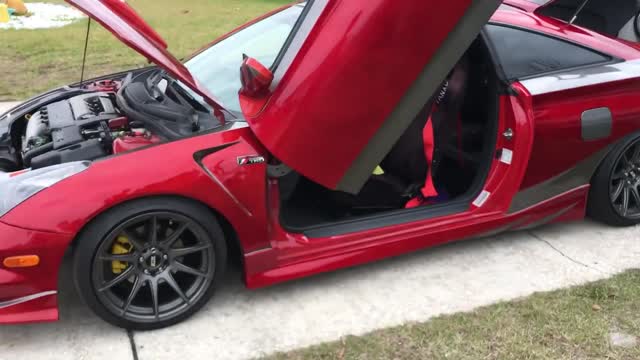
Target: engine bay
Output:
[(102, 118), (83, 127)]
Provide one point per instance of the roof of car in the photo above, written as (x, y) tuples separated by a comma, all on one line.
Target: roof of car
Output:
[(507, 7), (520, 13)]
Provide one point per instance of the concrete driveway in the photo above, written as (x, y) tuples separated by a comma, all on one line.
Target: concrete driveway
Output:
[(239, 323)]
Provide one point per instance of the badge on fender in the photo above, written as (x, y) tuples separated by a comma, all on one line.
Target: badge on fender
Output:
[(250, 160)]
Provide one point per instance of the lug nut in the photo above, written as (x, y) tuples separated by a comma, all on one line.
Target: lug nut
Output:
[(141, 259), (165, 256)]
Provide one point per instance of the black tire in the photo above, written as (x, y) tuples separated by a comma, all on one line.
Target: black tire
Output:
[(620, 170), (189, 224)]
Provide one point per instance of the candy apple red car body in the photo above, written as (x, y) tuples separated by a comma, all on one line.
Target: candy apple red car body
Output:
[(546, 142)]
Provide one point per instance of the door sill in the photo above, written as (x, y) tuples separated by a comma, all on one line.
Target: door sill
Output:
[(390, 218)]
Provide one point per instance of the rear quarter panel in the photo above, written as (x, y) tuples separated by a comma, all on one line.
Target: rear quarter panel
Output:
[(558, 144)]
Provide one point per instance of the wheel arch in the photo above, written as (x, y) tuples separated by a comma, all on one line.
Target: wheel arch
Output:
[(234, 246), (610, 149), (599, 203)]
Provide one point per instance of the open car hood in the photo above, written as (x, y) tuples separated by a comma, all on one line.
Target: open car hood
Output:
[(353, 78), (125, 23)]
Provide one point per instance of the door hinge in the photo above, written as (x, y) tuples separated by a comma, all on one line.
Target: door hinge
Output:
[(278, 170)]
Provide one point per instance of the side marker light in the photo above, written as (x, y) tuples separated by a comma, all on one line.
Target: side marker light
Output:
[(21, 261)]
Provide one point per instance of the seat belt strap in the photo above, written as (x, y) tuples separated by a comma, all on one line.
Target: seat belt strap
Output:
[(429, 189)]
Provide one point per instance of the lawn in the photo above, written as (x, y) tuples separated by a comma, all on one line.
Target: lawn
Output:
[(33, 61), (575, 323)]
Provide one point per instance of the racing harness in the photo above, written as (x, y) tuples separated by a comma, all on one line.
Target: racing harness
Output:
[(428, 192), (445, 111)]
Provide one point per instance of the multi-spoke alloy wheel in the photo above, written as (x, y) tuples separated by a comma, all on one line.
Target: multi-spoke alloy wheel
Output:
[(153, 268), (169, 264), (614, 197), (625, 180)]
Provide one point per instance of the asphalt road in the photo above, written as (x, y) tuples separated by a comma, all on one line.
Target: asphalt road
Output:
[(239, 323)]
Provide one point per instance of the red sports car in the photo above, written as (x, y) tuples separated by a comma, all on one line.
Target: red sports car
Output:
[(323, 135)]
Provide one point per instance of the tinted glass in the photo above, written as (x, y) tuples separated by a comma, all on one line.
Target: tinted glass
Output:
[(523, 53)]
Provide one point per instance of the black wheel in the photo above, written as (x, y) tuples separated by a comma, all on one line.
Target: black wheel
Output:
[(614, 197), (150, 263)]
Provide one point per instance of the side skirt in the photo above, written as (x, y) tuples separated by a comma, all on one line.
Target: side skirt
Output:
[(41, 307), (564, 207)]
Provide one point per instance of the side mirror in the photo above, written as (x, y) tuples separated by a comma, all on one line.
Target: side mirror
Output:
[(255, 77)]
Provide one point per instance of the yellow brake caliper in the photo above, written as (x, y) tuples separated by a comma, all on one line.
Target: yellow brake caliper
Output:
[(120, 247)]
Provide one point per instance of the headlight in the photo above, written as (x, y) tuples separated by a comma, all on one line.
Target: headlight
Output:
[(18, 187)]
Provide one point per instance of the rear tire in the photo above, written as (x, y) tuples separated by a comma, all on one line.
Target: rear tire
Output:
[(614, 197), (142, 279)]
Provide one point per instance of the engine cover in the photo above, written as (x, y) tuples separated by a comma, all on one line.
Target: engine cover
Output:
[(72, 129), (81, 110)]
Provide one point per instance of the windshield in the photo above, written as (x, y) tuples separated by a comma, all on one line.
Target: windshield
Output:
[(218, 67)]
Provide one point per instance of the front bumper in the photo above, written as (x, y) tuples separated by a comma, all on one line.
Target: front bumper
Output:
[(30, 294)]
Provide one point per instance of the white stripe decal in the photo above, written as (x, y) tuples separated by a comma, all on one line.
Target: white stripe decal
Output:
[(572, 79), (21, 300), (482, 198), (507, 156)]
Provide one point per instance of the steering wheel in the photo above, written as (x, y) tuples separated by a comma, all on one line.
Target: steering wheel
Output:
[(153, 87)]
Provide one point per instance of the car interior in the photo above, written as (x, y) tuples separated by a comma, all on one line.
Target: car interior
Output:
[(616, 18), (464, 125)]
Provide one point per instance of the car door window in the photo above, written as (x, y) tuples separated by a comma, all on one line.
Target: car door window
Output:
[(524, 53)]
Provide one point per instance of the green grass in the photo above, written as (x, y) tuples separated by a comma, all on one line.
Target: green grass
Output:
[(567, 324), (33, 61)]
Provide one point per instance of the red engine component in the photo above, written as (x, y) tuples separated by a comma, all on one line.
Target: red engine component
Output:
[(104, 85), (134, 141), (118, 123)]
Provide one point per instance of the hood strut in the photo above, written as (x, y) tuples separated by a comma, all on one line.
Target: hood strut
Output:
[(123, 22), (84, 56)]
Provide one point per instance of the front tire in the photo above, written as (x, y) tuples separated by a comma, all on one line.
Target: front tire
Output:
[(614, 197), (150, 263)]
